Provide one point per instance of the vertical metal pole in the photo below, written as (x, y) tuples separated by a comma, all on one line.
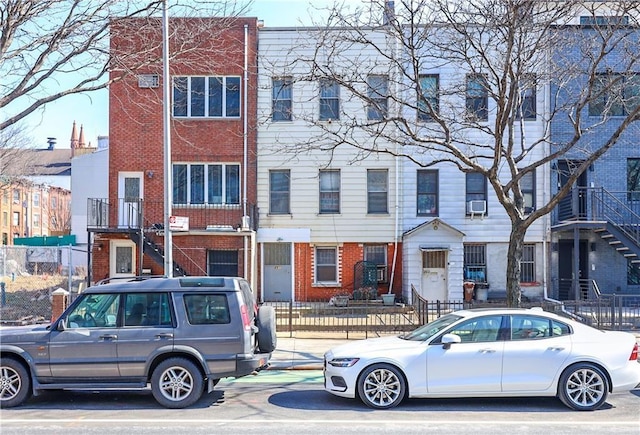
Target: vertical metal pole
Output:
[(166, 102)]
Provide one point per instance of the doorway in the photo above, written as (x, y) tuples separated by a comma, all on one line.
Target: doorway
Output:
[(129, 199), (434, 275), (277, 267), (565, 268)]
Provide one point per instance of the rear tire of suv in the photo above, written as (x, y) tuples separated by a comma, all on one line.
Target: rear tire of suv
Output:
[(15, 383), (267, 339), (177, 383)]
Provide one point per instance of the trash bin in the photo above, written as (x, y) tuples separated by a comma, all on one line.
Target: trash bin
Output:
[(468, 286)]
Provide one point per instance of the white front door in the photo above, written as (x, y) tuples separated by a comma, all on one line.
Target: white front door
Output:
[(129, 199), (434, 275), (122, 258)]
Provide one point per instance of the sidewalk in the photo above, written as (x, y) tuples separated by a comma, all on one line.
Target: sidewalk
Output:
[(301, 352)]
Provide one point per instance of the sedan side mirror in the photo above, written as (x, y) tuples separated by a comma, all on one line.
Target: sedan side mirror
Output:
[(448, 339)]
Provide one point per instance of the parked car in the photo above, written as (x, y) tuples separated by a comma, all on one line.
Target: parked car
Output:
[(488, 353), (177, 334)]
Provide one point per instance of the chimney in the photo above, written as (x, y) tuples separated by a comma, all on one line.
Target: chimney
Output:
[(52, 143)]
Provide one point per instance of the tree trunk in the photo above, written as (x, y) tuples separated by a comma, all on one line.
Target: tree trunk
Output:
[(514, 256)]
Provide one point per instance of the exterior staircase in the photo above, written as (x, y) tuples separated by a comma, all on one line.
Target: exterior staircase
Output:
[(155, 252), (620, 224)]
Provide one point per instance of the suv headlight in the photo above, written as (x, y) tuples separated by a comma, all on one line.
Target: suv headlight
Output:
[(343, 362)]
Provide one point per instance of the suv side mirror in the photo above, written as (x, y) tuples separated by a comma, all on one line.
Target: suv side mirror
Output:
[(61, 325)]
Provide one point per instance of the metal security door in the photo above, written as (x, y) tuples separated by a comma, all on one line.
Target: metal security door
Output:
[(277, 272), (434, 275)]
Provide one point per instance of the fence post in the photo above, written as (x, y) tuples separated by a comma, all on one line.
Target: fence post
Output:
[(3, 294), (59, 303)]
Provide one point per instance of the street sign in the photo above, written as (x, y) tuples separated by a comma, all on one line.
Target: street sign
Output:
[(178, 223)]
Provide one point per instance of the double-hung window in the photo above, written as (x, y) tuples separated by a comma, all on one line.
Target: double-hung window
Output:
[(282, 89), (527, 91), (326, 262), (528, 189), (377, 254), (476, 192), (377, 191), (633, 179), (477, 97), (528, 263), (330, 191), (279, 191), (427, 192), (329, 100), (615, 94), (377, 91), (206, 97), (200, 183), (428, 101)]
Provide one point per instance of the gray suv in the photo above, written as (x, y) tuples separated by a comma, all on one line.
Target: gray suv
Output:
[(180, 335)]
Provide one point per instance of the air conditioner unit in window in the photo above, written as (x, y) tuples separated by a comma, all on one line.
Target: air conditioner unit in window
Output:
[(381, 274), (477, 207)]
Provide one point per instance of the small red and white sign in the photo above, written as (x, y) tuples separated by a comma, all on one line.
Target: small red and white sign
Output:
[(178, 223)]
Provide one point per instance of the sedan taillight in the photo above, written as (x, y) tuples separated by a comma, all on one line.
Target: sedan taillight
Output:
[(634, 353)]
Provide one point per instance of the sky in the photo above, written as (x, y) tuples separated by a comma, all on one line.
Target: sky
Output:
[(91, 111)]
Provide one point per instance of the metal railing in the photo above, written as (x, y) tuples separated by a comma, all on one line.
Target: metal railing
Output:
[(139, 213)]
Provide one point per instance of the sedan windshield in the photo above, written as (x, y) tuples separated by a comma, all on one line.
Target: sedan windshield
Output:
[(432, 328)]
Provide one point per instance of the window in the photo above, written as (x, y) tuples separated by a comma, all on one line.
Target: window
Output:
[(326, 264), (5, 197), (329, 100), (377, 254), (281, 99), (36, 220), (525, 327), (5, 219), (330, 191), (54, 203), (615, 94), (633, 179), (95, 311), (213, 97), (475, 263), (378, 90), (16, 218), (377, 191), (124, 259), (528, 189), (479, 329), (36, 199), (199, 183), (477, 96), (602, 20), (147, 309), (527, 90), (528, 264), (428, 97), (279, 192), (476, 188), (223, 262), (16, 196), (207, 309), (633, 273), (427, 192)]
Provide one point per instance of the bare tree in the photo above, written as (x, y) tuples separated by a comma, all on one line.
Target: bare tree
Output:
[(505, 49), (13, 163), (53, 48)]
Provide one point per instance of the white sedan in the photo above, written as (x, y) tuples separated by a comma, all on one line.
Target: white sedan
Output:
[(488, 353)]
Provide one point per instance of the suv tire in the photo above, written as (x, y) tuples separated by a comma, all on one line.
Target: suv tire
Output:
[(177, 383), (15, 383), (267, 339)]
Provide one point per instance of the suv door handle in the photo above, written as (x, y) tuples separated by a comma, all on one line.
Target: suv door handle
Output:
[(164, 335), (108, 337)]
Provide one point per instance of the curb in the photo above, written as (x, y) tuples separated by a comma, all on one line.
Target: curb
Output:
[(295, 367)]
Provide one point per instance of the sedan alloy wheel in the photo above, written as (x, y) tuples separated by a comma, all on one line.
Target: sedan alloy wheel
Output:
[(381, 386)]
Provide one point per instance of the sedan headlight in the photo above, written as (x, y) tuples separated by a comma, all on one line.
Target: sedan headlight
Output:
[(343, 362)]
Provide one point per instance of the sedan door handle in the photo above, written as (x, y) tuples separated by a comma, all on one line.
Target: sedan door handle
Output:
[(487, 350), (556, 348), (164, 335), (108, 337)]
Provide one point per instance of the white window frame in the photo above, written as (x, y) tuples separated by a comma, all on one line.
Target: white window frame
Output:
[(317, 264)]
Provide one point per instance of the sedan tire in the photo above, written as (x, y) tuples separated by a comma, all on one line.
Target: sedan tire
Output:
[(583, 387), (381, 386), (15, 383), (177, 383)]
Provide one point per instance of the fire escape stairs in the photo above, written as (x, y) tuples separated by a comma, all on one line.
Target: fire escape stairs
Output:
[(623, 241), (156, 253)]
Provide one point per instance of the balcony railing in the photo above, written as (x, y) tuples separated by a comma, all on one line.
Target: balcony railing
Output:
[(140, 214)]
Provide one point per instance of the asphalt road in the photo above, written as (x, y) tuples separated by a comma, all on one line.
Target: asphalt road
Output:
[(293, 402)]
